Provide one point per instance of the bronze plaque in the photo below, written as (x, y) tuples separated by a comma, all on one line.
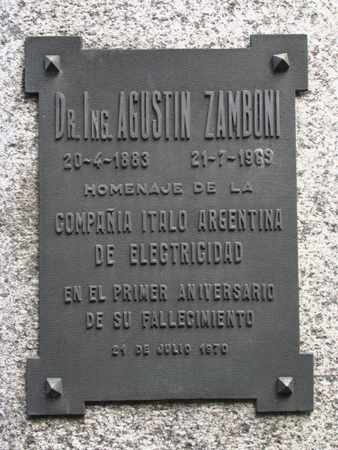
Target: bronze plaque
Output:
[(168, 225)]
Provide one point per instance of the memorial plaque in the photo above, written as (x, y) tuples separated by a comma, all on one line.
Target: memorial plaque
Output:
[(168, 225)]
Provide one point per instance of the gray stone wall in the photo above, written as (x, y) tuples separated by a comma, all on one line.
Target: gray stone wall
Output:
[(170, 24)]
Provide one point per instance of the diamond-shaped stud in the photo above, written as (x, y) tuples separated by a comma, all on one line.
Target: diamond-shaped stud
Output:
[(52, 63), (281, 62), (54, 387), (285, 385)]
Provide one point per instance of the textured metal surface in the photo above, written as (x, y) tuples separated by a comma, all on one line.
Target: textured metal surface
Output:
[(168, 239)]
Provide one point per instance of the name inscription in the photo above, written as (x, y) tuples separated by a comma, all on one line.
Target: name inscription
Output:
[(168, 115)]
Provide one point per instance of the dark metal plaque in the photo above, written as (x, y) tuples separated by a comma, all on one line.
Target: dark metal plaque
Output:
[(168, 225)]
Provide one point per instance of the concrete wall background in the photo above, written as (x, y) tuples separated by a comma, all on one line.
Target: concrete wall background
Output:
[(170, 24)]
